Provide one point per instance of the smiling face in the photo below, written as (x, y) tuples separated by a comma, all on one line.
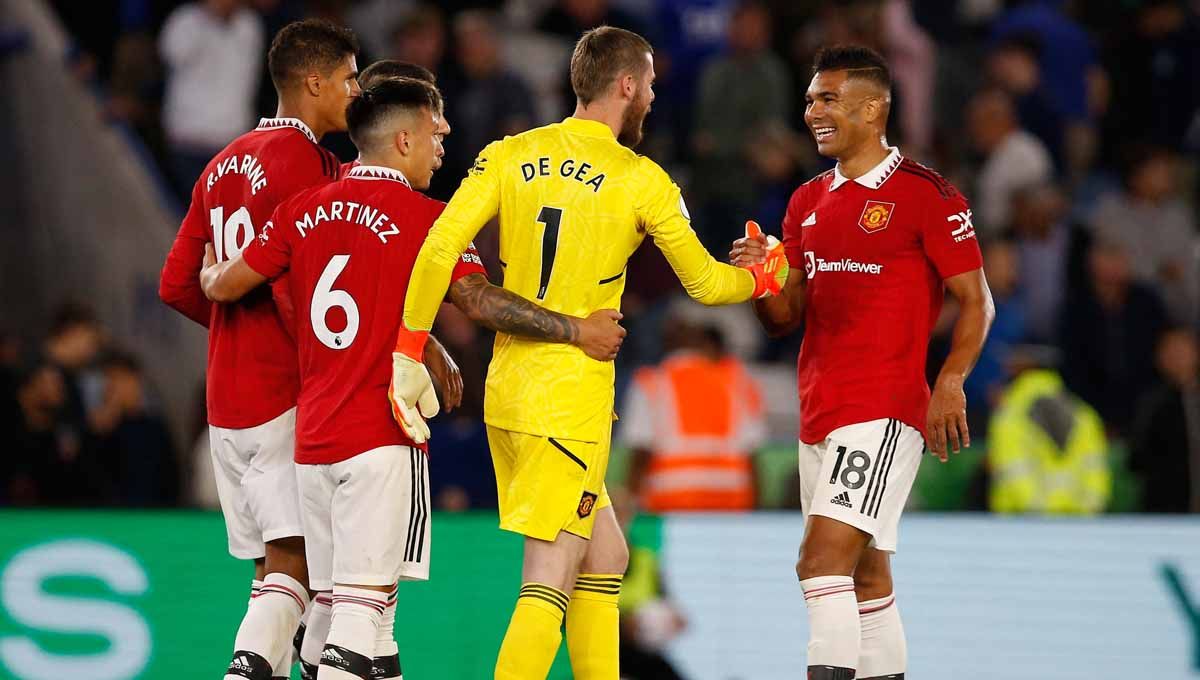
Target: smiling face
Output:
[(844, 113)]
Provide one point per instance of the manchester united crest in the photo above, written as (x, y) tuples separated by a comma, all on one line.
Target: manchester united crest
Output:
[(586, 504), (876, 215)]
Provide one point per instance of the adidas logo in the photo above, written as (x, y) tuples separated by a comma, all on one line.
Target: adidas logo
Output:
[(332, 655), (240, 663), (809, 221), (842, 499)]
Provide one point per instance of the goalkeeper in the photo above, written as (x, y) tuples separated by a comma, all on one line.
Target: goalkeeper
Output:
[(574, 202)]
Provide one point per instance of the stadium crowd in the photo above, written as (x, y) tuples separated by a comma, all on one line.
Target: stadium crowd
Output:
[(1073, 128)]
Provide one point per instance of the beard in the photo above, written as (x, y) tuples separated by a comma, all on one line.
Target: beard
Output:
[(631, 122)]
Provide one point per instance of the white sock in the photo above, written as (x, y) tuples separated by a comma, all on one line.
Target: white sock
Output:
[(387, 652), (315, 632), (883, 652), (264, 639), (353, 631), (833, 623)]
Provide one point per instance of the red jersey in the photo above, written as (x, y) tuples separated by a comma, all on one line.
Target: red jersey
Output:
[(347, 167), (876, 250), (349, 249), (252, 373)]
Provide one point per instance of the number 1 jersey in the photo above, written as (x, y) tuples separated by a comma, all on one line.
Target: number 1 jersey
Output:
[(252, 374), (348, 249)]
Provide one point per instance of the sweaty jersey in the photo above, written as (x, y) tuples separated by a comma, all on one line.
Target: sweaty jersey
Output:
[(574, 204), (876, 250), (252, 375), (348, 248)]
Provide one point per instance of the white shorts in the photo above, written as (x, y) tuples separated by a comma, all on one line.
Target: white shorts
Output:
[(861, 475), (256, 482), (366, 519)]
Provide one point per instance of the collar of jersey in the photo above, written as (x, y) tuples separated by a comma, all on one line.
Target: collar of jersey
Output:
[(875, 177), (276, 123), (593, 128), (378, 172)]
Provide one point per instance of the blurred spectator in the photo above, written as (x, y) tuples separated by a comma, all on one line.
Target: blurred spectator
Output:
[(485, 100), (568, 19), (213, 51), (649, 619), (72, 345), (987, 379), (1047, 451), (421, 38), (1012, 66), (694, 424), (1046, 248), (132, 439), (1157, 64), (1165, 444), (1149, 220), (1109, 333), (913, 61), (742, 95), (1013, 159), (374, 22)]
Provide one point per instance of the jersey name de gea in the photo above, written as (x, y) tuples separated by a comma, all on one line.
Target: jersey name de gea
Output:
[(544, 166)]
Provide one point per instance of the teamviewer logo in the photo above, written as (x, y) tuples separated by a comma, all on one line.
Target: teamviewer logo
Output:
[(810, 263)]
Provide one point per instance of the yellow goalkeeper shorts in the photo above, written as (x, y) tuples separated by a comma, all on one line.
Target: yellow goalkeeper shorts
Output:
[(546, 485)]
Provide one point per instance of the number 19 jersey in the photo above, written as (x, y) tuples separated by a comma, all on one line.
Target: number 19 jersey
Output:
[(574, 204), (252, 375), (348, 249)]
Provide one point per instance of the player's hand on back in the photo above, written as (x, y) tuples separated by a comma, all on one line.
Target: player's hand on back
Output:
[(600, 336), (445, 374), (946, 422), (412, 397)]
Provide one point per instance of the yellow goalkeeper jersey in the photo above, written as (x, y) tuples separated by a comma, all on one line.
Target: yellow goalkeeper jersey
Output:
[(574, 204)]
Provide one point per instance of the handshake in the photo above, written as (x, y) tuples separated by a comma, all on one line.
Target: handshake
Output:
[(763, 255)]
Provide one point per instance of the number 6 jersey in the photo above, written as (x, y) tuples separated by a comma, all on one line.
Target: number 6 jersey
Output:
[(252, 376), (348, 249)]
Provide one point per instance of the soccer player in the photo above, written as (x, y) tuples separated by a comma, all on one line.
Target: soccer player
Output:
[(391, 68), (253, 379), (872, 243), (348, 248), (574, 203)]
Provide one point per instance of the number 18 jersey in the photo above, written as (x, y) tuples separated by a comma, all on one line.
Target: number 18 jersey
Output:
[(348, 249), (252, 375)]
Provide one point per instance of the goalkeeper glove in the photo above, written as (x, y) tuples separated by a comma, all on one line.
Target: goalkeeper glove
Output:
[(411, 391), (772, 273)]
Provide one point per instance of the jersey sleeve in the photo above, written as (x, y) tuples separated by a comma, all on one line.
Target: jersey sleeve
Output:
[(476, 201), (948, 236), (664, 216), (179, 283), (270, 253), (793, 241)]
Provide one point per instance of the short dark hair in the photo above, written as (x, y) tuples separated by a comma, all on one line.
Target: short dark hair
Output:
[(302, 46), (601, 56), (385, 98), (392, 68), (71, 315), (859, 61)]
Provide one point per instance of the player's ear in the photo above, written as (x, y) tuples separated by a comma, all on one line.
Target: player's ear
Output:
[(402, 142), (312, 84), (627, 86)]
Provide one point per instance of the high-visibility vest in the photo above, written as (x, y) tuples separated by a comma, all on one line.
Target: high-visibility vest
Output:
[(708, 417), (1031, 472)]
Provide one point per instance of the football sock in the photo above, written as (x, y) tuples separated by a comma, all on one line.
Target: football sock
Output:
[(534, 633), (315, 631), (883, 654), (264, 639), (353, 630), (386, 664), (833, 623), (593, 627)]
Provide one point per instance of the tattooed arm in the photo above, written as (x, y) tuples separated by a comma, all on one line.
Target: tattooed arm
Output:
[(503, 311)]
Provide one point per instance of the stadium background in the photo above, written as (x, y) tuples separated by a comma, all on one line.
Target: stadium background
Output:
[(1073, 127)]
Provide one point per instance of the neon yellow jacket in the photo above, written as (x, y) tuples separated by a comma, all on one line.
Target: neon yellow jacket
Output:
[(1047, 450)]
